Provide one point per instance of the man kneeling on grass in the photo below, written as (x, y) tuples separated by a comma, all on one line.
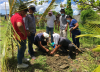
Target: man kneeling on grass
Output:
[(39, 41), (62, 43)]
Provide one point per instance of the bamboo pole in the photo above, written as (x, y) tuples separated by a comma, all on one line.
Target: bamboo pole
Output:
[(11, 8), (11, 30), (76, 47)]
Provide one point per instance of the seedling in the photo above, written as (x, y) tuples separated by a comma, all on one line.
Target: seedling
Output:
[(50, 48)]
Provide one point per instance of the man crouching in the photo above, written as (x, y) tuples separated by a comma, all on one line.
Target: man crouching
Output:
[(40, 42), (62, 43)]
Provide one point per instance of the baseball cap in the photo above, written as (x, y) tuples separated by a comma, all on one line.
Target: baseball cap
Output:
[(62, 10), (56, 38), (32, 7), (46, 35)]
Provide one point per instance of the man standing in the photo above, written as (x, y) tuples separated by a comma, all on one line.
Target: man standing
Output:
[(50, 23), (63, 24), (18, 24), (31, 29)]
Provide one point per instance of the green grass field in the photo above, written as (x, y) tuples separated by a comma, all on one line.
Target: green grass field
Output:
[(83, 62)]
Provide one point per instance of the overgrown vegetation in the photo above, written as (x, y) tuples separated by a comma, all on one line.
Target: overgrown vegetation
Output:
[(89, 27)]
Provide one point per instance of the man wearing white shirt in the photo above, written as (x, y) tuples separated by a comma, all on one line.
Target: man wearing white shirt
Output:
[(50, 23)]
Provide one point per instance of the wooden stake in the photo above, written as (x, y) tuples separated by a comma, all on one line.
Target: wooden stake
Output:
[(76, 47)]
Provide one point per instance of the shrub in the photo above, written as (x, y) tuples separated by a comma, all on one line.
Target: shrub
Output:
[(88, 15)]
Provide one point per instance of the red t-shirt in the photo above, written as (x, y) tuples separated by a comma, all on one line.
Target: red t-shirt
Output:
[(18, 18)]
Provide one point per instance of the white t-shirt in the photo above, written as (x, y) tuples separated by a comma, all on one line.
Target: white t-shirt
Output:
[(50, 20)]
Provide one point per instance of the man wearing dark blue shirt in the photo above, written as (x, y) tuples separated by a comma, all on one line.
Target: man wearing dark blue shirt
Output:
[(40, 42)]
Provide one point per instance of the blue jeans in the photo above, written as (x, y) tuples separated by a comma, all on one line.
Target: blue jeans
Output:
[(30, 43), (21, 50), (48, 29), (76, 40)]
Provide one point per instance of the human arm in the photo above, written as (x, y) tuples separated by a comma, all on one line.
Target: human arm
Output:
[(40, 45), (76, 26), (47, 40), (70, 34), (21, 28), (27, 25), (66, 26), (56, 48)]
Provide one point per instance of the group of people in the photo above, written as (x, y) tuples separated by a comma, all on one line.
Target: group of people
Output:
[(24, 24)]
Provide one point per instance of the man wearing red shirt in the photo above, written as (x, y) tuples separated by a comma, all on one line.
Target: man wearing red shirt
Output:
[(18, 24)]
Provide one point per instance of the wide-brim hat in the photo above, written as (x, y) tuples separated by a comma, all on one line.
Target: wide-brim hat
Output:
[(22, 7)]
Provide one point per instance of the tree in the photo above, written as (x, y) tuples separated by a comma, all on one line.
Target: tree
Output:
[(55, 13), (88, 4), (68, 9)]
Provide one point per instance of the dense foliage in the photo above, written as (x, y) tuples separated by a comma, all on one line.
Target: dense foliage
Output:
[(68, 9), (88, 15)]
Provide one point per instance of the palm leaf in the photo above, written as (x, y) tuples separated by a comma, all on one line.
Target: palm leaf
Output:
[(97, 69), (90, 35), (97, 49)]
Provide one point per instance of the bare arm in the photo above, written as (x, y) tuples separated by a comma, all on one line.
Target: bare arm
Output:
[(27, 25), (56, 48), (70, 34), (42, 46), (66, 26), (21, 28), (76, 26)]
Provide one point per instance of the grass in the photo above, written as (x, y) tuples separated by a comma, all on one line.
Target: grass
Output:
[(2, 33), (86, 61)]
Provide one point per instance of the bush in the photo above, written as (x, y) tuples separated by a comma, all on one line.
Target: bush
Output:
[(88, 15)]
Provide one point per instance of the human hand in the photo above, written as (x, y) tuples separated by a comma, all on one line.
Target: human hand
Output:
[(28, 33), (23, 34), (65, 29), (51, 53), (71, 29), (47, 50)]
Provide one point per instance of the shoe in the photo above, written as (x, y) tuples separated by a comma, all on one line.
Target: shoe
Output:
[(33, 57), (22, 65), (25, 60)]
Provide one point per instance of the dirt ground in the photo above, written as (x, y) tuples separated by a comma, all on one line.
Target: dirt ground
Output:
[(63, 64)]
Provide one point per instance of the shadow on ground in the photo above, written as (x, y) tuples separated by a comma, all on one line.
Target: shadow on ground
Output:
[(12, 66)]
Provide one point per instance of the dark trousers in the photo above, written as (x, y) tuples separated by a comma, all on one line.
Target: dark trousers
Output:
[(76, 40), (43, 43), (30, 43), (21, 50), (48, 29), (70, 47)]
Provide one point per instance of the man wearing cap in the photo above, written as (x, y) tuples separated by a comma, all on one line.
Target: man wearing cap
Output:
[(40, 43), (31, 29), (50, 23), (63, 24), (18, 24), (62, 43)]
